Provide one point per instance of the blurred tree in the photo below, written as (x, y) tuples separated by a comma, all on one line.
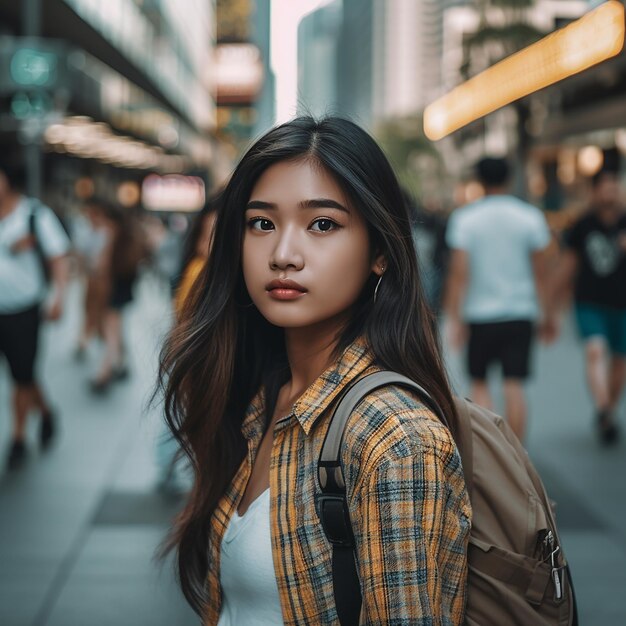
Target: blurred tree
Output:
[(233, 20), (503, 29), (409, 151)]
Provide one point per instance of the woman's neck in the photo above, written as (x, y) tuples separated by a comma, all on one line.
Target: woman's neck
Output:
[(310, 351)]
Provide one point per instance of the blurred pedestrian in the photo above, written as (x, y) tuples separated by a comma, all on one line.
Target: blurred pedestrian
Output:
[(126, 249), (165, 244), (33, 249), (92, 240), (196, 251), (429, 227), (594, 264), (312, 283), (497, 267)]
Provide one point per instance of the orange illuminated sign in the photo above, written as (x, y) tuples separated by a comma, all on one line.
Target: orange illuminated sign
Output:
[(594, 38)]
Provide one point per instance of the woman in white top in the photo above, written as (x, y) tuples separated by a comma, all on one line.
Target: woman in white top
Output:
[(311, 284)]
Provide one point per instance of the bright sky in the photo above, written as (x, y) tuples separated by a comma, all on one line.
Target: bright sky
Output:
[(285, 16)]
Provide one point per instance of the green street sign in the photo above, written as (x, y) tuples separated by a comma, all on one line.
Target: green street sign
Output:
[(33, 68), (25, 105)]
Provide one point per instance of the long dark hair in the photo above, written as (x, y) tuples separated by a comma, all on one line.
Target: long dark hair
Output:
[(223, 351)]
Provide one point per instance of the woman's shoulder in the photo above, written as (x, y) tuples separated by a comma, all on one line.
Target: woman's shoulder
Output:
[(394, 422)]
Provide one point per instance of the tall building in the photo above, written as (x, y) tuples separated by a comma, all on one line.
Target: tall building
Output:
[(371, 59), (266, 101), (245, 81), (355, 61), (107, 88), (318, 41), (408, 40)]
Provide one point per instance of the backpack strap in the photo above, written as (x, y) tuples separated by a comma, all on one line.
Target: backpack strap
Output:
[(33, 231), (463, 440), (331, 503)]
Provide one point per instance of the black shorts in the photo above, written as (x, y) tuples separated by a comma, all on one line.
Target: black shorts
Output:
[(121, 293), (507, 343), (19, 338)]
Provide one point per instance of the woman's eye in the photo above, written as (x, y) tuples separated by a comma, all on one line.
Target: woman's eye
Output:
[(260, 223), (323, 225)]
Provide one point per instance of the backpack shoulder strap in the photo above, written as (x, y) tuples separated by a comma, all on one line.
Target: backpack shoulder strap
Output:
[(32, 217), (34, 206), (330, 456), (464, 442), (331, 504)]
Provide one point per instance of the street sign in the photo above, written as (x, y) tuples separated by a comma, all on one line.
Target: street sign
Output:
[(33, 104), (32, 64), (33, 68)]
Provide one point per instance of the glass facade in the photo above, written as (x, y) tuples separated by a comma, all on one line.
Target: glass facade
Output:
[(168, 44)]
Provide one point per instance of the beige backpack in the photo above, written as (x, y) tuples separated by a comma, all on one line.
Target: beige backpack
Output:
[(518, 574)]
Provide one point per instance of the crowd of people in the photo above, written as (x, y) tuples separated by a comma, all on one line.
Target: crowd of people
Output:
[(502, 292)]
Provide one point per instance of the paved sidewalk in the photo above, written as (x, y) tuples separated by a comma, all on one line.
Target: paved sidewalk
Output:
[(79, 526)]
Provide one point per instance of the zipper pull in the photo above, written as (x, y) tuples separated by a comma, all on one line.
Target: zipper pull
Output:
[(556, 579)]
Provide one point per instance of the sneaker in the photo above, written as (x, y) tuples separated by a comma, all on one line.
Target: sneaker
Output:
[(101, 386), (17, 455), (607, 428), (48, 429), (121, 373)]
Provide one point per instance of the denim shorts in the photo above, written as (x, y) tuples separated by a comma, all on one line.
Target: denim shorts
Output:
[(599, 321)]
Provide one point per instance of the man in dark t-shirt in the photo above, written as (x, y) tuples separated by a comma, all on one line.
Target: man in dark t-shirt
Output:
[(595, 263)]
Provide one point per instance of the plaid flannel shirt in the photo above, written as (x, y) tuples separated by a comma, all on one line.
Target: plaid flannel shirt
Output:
[(408, 504)]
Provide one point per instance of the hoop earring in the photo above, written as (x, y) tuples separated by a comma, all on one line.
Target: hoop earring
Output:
[(378, 285)]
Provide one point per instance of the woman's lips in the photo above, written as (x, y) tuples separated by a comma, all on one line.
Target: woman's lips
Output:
[(285, 290)]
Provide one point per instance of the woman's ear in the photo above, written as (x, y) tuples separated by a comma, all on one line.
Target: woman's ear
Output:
[(379, 265)]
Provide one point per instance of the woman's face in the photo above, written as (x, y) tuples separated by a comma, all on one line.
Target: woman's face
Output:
[(306, 251)]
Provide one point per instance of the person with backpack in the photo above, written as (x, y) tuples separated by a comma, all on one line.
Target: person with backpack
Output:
[(497, 288), (172, 473), (33, 278), (312, 284)]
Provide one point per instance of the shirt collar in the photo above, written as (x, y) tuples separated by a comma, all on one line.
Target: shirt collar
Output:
[(354, 360)]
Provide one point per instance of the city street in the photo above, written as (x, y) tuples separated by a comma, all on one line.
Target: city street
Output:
[(79, 525)]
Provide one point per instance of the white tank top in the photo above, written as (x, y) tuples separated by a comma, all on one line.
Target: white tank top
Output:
[(249, 589)]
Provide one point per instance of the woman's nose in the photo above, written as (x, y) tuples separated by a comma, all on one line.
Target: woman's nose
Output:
[(287, 253)]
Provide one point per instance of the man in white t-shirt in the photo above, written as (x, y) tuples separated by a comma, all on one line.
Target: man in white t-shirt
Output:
[(31, 239), (496, 271)]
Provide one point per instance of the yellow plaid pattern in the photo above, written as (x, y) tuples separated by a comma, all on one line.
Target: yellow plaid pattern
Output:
[(408, 504)]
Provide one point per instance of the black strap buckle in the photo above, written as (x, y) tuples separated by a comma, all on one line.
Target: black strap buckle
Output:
[(332, 509)]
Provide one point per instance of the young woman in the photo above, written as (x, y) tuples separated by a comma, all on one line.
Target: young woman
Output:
[(312, 282)]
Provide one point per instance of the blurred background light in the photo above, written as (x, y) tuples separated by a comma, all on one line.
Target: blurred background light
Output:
[(82, 137), (597, 36), (173, 193), (84, 187), (128, 193), (590, 160), (620, 140)]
